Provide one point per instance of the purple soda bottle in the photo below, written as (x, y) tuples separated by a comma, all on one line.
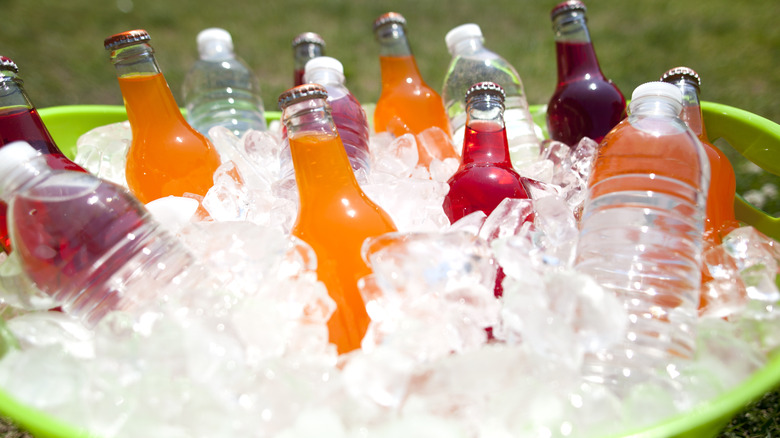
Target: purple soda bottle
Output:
[(585, 103)]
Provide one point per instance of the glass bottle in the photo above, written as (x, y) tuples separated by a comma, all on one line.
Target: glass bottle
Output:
[(306, 46), (220, 89), (720, 197), (407, 104), (19, 120), (86, 242), (585, 103), (641, 235), (167, 157), (335, 216), (347, 113), (485, 176), (472, 62)]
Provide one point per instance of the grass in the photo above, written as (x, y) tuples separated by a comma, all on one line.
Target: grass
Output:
[(735, 47)]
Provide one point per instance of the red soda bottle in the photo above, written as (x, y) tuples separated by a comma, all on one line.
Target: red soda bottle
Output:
[(306, 46), (485, 176), (19, 120), (585, 103)]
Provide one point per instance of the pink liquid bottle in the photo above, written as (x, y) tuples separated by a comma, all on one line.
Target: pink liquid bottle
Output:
[(306, 46), (585, 103), (88, 243), (19, 120), (485, 176)]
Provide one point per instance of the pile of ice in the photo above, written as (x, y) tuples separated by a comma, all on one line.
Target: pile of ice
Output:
[(442, 357)]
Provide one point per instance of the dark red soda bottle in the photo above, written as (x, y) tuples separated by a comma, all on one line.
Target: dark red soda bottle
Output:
[(305, 46), (485, 176), (19, 120), (585, 102)]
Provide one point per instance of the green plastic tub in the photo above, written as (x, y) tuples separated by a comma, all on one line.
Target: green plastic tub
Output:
[(754, 137)]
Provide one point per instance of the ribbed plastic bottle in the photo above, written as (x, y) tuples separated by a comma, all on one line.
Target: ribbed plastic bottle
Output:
[(220, 89), (486, 175), (720, 198), (641, 235), (306, 46), (87, 242), (407, 104), (472, 62), (167, 156), (585, 102), (19, 120), (335, 215)]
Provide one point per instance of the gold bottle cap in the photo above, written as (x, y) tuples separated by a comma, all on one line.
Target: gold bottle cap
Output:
[(126, 38), (300, 93)]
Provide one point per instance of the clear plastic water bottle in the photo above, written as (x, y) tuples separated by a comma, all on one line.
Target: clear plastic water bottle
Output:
[(347, 113), (220, 89), (641, 235), (89, 243), (472, 62)]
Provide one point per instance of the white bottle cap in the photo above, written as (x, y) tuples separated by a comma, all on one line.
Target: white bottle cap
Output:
[(214, 41), (657, 88), (460, 33), (320, 62)]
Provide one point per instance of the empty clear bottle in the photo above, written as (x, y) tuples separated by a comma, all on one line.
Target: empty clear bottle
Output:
[(305, 46), (220, 89), (472, 62), (641, 234), (19, 120), (87, 242)]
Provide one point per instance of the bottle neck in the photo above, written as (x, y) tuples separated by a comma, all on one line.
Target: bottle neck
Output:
[(467, 46), (485, 138), (392, 40), (12, 94), (324, 76), (576, 57), (655, 106), (215, 51), (302, 53), (136, 59), (691, 107)]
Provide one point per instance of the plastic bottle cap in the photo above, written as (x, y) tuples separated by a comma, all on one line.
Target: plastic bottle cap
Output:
[(7, 64), (308, 37), (302, 92), (389, 17), (657, 88), (14, 154), (126, 38), (324, 62), (460, 33), (214, 40)]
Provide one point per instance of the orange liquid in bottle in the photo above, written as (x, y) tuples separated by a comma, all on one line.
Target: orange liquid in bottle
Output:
[(167, 156), (335, 217), (408, 105)]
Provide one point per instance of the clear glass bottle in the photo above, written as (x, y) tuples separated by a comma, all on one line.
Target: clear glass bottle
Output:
[(486, 175), (305, 46), (407, 104), (220, 89), (19, 120), (641, 234), (167, 156), (585, 102), (335, 215), (86, 242), (720, 198), (472, 62)]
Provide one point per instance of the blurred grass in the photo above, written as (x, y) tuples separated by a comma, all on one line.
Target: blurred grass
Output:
[(735, 47)]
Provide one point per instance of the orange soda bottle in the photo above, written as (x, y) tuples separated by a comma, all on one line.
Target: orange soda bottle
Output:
[(720, 218), (167, 157), (335, 215), (407, 104)]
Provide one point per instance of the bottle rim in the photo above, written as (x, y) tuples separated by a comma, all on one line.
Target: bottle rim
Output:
[(7, 63), (308, 38), (126, 38), (301, 93), (389, 17), (682, 72), (567, 6), (486, 87)]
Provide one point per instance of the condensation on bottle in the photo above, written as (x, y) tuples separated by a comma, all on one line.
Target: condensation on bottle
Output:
[(89, 243), (472, 62), (220, 89), (641, 235)]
